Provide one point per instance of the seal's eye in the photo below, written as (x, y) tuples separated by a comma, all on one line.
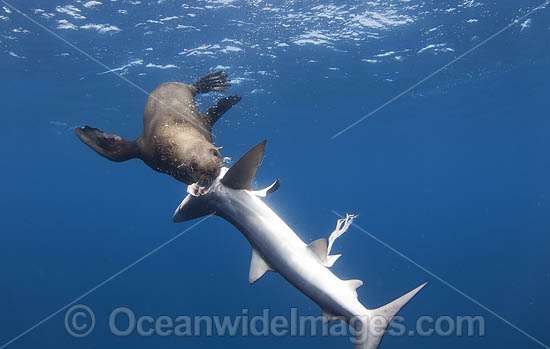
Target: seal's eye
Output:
[(216, 153)]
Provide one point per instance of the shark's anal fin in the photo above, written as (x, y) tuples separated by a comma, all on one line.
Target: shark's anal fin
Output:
[(241, 174), (266, 191), (328, 317), (258, 267)]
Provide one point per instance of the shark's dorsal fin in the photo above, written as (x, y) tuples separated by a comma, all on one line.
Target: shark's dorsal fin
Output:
[(258, 267), (241, 174), (354, 285)]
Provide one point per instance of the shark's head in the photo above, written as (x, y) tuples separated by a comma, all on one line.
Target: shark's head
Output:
[(238, 177)]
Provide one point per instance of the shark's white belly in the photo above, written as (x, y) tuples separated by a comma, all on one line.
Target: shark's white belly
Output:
[(288, 255), (276, 247)]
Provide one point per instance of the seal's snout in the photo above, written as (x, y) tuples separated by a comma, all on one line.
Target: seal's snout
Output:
[(204, 163), (205, 175), (214, 170)]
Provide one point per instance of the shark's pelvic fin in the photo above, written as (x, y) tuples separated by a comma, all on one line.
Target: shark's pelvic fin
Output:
[(271, 189), (241, 174), (354, 284), (332, 259), (258, 267), (322, 247), (319, 247)]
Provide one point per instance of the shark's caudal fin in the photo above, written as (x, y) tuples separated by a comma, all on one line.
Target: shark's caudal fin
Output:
[(374, 325)]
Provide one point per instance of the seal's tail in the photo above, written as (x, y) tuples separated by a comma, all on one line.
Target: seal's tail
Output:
[(112, 147)]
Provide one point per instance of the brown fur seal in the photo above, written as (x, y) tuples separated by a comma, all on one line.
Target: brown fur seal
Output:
[(176, 138)]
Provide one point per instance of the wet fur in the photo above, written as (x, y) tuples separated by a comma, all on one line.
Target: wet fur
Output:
[(176, 137)]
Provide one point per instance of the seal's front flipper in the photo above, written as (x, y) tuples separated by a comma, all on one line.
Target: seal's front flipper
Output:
[(112, 147), (218, 109), (216, 81)]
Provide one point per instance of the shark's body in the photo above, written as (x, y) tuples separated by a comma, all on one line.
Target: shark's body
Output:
[(276, 247)]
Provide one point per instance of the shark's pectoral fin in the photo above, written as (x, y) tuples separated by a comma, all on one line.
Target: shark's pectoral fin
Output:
[(258, 267), (354, 285), (241, 174), (272, 188)]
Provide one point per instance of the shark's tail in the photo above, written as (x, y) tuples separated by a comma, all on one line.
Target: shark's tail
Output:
[(370, 328)]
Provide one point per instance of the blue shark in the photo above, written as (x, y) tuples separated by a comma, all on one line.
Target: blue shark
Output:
[(277, 248)]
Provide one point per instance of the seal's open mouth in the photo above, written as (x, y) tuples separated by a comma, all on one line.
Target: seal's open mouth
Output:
[(201, 186), (196, 190), (205, 180)]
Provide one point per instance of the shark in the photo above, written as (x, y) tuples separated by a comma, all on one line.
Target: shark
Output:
[(277, 248)]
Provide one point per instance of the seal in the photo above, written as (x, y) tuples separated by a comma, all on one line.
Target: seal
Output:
[(176, 138)]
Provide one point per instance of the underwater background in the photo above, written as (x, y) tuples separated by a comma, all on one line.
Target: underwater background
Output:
[(453, 173)]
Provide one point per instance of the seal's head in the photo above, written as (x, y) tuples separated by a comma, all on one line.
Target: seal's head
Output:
[(201, 164)]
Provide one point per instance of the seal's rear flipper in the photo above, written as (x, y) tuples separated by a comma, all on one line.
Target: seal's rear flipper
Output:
[(216, 81), (112, 147), (222, 106)]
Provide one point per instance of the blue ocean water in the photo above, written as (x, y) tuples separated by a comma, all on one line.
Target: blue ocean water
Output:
[(451, 175)]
